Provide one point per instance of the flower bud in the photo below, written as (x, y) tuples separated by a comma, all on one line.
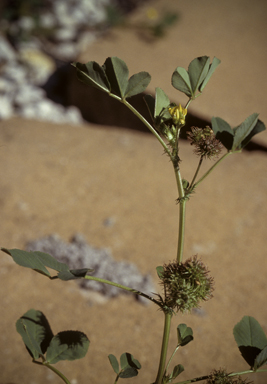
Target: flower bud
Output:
[(178, 114)]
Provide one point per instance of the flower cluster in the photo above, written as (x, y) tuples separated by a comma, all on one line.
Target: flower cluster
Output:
[(205, 142), (186, 284), (222, 377), (178, 114)]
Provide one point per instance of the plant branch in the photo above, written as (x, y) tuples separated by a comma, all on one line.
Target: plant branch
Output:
[(212, 168), (172, 356), (164, 347), (181, 229), (56, 371), (135, 291), (141, 117), (196, 173), (230, 375)]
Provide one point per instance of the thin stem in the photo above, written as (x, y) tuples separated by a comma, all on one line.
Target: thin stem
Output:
[(193, 380), (56, 371), (164, 347), (196, 173), (147, 124), (124, 287), (246, 372), (212, 168), (181, 230), (187, 104), (172, 356), (230, 375)]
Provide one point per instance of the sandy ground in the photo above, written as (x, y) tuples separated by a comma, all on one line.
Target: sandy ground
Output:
[(64, 180)]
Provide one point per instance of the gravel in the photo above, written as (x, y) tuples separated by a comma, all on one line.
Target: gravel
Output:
[(78, 254)]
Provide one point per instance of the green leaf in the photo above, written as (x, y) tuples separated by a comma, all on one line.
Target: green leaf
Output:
[(150, 103), (28, 260), (129, 366), (162, 102), (128, 372), (181, 81), (35, 332), (198, 70), (212, 67), (114, 363), (261, 359), (137, 84), (74, 274), (244, 130), (185, 334), (38, 261), (67, 345), (259, 127), (248, 332), (177, 370), (251, 340), (92, 74), (117, 73), (160, 271), (127, 359), (223, 132)]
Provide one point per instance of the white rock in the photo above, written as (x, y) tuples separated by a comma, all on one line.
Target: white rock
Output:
[(66, 51), (40, 66), (6, 107), (7, 53), (15, 72), (28, 94), (7, 87), (26, 23), (47, 20), (73, 115), (65, 34)]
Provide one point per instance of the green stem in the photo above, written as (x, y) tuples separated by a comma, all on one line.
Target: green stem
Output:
[(164, 347), (230, 375), (193, 380), (125, 288), (212, 168), (56, 371), (196, 173), (172, 356), (246, 372), (181, 230), (147, 124)]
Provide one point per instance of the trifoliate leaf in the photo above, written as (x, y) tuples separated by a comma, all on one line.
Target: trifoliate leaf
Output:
[(184, 334), (137, 84), (92, 74), (67, 345), (35, 332), (117, 73)]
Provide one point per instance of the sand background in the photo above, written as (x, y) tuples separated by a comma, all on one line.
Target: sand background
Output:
[(65, 179)]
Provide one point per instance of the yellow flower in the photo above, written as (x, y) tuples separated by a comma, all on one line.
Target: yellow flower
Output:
[(178, 114), (152, 13)]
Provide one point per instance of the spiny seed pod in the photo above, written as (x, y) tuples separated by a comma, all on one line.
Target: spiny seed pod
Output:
[(186, 284), (205, 142), (222, 377)]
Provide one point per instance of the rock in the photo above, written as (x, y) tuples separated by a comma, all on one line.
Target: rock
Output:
[(28, 94), (78, 254), (6, 108), (40, 66), (7, 53), (67, 28)]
